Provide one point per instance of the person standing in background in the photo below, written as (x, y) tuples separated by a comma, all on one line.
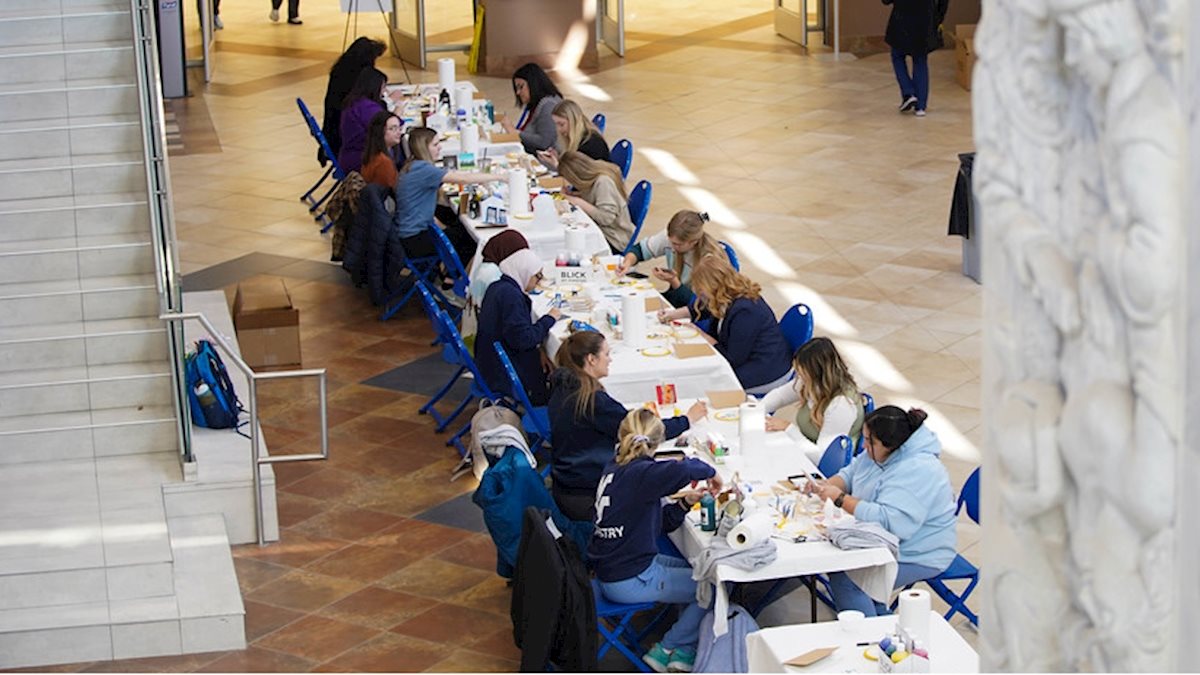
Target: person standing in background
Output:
[(293, 11), (913, 31)]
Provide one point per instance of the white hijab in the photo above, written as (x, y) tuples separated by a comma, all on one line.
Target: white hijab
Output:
[(521, 266)]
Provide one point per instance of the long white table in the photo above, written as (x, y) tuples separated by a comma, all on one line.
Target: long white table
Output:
[(769, 648), (547, 237), (777, 458)]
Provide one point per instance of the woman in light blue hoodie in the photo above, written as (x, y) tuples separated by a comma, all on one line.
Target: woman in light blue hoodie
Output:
[(899, 483)]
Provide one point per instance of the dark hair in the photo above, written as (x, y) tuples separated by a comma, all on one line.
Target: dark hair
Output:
[(539, 83), (368, 85), (376, 132), (361, 54), (891, 426), (572, 356)]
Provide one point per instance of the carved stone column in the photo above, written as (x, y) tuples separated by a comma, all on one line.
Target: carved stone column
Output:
[(1081, 134)]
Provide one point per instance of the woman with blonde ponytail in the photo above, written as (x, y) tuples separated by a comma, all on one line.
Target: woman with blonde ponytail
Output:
[(585, 421), (683, 243), (629, 518)]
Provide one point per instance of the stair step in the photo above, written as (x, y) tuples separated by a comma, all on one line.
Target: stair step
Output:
[(29, 100), (81, 84), (210, 601), (39, 260), (31, 28), (67, 60), (72, 216), (18, 10), (64, 136), (67, 300), (43, 289), (80, 434), (65, 175), (79, 343), (64, 123), (76, 47), (75, 162), (65, 390)]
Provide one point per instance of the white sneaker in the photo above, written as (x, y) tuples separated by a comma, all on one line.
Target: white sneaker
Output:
[(275, 15), (218, 24), (920, 113)]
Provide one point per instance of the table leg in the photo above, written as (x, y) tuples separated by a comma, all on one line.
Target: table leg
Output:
[(811, 582)]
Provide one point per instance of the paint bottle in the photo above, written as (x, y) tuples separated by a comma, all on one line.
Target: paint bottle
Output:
[(708, 513)]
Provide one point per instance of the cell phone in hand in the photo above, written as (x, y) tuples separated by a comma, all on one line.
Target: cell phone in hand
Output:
[(801, 479)]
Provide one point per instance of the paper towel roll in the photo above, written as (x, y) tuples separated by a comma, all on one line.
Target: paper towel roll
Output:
[(464, 96), (752, 530), (914, 614), (633, 319), (545, 216), (752, 426), (469, 139), (518, 192), (446, 76), (576, 240)]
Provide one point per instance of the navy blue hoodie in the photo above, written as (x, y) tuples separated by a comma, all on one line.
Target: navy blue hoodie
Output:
[(630, 516), (582, 446), (750, 339)]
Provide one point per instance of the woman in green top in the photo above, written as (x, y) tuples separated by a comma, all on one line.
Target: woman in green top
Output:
[(830, 405), (683, 244)]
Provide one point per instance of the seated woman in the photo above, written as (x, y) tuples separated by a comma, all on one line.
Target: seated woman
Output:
[(575, 132), (417, 192), (684, 234), (584, 421), (364, 101), (899, 483), (537, 96), (745, 331), (505, 315), (601, 195), (829, 402), (495, 251), (630, 516), (361, 54), (379, 165)]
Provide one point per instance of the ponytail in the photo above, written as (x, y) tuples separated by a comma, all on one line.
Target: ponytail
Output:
[(572, 356), (892, 426), (641, 432)]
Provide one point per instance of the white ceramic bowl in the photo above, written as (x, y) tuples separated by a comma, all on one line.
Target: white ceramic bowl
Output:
[(850, 620)]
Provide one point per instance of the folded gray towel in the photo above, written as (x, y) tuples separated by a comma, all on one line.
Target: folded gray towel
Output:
[(856, 534)]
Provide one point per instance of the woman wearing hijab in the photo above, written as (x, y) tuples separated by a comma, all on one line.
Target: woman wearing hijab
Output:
[(495, 251), (505, 316)]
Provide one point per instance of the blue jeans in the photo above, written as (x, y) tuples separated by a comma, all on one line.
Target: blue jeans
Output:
[(847, 594), (918, 83), (667, 579)]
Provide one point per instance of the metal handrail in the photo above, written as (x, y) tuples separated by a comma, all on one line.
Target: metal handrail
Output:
[(257, 460), (162, 215)]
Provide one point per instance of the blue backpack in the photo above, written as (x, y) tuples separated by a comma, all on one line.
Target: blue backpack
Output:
[(211, 396)]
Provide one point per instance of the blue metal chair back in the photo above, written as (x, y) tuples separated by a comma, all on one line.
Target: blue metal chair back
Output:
[(450, 260), (868, 405), (600, 121), (478, 386), (315, 129), (535, 417), (449, 353), (733, 259), (639, 206), (969, 497), (622, 156), (836, 456), (797, 325)]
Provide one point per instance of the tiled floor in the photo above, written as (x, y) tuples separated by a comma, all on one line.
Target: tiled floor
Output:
[(830, 197)]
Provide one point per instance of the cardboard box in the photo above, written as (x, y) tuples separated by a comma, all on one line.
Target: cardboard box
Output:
[(267, 324), (964, 54)]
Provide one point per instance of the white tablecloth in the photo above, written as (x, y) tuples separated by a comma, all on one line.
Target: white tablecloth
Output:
[(632, 376), (779, 458), (768, 648), (545, 239)]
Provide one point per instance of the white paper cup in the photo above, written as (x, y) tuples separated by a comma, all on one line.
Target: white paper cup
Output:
[(850, 620)]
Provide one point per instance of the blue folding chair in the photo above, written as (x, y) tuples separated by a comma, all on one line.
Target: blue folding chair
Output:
[(334, 169), (868, 404), (449, 355), (613, 621), (836, 456), (733, 259), (960, 569), (600, 121), (535, 419), (454, 268), (797, 325), (622, 156), (639, 206), (420, 269), (479, 388)]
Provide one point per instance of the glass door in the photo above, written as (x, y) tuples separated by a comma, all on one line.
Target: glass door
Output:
[(612, 24), (795, 18), (408, 31)]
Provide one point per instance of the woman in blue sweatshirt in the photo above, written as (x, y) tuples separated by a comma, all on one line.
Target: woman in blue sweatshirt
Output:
[(505, 315), (584, 421), (629, 517), (740, 324), (899, 483)]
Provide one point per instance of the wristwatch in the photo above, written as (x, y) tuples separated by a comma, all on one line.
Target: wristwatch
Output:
[(838, 502)]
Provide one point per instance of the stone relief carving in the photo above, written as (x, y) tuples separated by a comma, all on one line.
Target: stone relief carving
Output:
[(1080, 134)]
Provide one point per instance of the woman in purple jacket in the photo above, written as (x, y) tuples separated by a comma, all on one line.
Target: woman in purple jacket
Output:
[(364, 101)]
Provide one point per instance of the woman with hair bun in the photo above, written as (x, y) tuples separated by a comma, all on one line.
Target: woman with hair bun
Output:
[(683, 244), (899, 483), (630, 516)]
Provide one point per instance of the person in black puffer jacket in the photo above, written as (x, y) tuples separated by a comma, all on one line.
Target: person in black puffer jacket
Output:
[(913, 32)]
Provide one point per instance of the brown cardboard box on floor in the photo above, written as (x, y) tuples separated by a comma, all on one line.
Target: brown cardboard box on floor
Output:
[(267, 324), (964, 54)]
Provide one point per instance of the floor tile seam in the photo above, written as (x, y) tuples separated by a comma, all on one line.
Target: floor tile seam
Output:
[(434, 645), (515, 662), (372, 533), (313, 612)]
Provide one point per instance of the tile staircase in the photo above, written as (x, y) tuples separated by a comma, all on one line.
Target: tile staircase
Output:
[(93, 564)]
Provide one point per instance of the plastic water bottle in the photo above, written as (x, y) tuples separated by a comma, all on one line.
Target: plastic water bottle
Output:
[(491, 113), (462, 117), (708, 513), (204, 393)]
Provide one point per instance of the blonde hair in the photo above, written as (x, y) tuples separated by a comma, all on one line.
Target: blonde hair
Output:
[(578, 125), (419, 140), (572, 355), (689, 226), (717, 285), (824, 376), (582, 171), (641, 432)]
